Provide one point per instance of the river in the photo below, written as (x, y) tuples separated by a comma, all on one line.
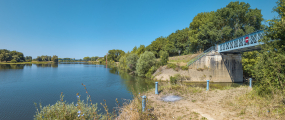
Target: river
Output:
[(22, 85)]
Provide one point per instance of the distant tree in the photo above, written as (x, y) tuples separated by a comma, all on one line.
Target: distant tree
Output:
[(54, 58), (4, 55), (115, 55), (28, 58), (15, 57), (87, 58), (38, 58)]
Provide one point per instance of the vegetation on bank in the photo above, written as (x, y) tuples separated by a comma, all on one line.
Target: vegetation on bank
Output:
[(13, 57), (33, 62)]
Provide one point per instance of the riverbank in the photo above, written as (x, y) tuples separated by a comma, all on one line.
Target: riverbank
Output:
[(197, 103), (33, 62)]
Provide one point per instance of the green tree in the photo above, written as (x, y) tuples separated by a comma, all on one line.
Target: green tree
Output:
[(15, 57), (145, 62), (131, 61), (5, 55), (87, 58), (270, 69), (28, 58), (54, 58), (249, 60), (163, 57), (115, 55), (122, 63)]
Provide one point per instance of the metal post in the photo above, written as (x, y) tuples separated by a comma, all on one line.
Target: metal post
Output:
[(143, 103), (156, 88), (250, 81), (208, 85)]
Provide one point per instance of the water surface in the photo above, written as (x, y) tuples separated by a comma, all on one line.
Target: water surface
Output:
[(22, 85)]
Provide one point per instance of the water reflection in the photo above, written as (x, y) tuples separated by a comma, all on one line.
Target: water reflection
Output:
[(54, 65), (134, 84), (21, 66), (12, 66)]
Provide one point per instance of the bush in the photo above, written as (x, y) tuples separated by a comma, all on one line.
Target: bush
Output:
[(151, 71), (173, 66), (123, 64), (145, 62), (173, 80), (13, 61), (164, 57), (184, 67), (62, 110), (131, 61)]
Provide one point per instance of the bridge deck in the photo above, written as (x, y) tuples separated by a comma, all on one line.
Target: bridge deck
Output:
[(239, 45)]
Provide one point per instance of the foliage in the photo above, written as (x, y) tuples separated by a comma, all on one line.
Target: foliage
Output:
[(270, 70), (6, 55), (87, 58), (173, 80), (163, 57), (131, 61), (13, 61), (94, 58), (123, 63), (145, 62), (173, 66), (114, 55), (184, 67), (249, 60), (54, 58), (28, 58), (151, 71)]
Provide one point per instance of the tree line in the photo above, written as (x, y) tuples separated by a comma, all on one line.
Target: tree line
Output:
[(14, 56)]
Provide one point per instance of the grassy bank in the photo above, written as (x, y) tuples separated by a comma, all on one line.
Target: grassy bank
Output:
[(34, 62), (197, 103)]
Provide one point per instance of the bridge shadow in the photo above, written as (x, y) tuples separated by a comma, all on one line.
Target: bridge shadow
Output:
[(233, 65)]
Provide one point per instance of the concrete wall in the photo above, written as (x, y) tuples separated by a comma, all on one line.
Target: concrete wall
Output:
[(218, 68)]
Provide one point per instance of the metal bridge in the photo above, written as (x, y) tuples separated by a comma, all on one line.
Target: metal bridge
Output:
[(245, 43)]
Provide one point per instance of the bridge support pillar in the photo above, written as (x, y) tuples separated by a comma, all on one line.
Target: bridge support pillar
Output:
[(218, 68)]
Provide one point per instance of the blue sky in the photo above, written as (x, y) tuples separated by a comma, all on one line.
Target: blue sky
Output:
[(79, 28)]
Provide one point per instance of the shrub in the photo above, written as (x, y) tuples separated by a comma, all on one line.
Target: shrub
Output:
[(145, 62), (163, 57), (173, 66), (62, 110), (173, 80), (151, 71), (184, 67), (13, 61), (123, 63), (131, 61)]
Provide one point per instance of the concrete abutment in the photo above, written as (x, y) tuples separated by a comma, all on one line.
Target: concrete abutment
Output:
[(218, 67)]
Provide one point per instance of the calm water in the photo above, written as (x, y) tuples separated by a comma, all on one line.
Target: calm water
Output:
[(22, 85)]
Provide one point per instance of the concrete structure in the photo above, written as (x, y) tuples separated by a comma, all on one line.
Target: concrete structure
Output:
[(223, 62), (218, 67)]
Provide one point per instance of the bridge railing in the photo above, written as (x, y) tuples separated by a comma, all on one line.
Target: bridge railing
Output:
[(201, 55), (238, 43)]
